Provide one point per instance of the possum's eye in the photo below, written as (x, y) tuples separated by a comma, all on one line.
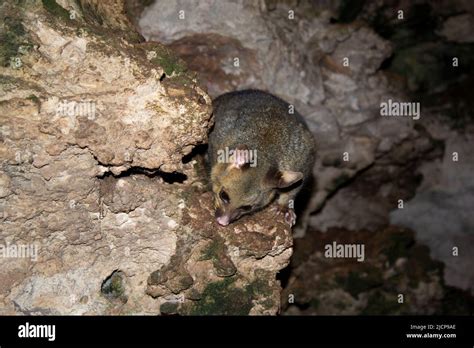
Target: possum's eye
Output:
[(246, 207), (224, 197)]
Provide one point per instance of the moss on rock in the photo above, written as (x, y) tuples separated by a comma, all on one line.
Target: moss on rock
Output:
[(222, 298), (55, 9)]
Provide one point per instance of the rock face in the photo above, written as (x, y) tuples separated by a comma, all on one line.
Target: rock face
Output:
[(459, 28), (100, 214), (439, 211)]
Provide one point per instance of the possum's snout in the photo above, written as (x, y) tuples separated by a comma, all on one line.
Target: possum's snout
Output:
[(221, 217), (224, 218)]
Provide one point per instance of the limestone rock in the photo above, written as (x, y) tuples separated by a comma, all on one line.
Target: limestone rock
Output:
[(97, 192)]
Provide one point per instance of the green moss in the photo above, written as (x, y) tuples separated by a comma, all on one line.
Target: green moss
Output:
[(216, 251), (222, 298), (56, 10), (180, 80), (268, 303), (8, 50), (210, 251), (7, 80), (89, 13), (259, 287), (113, 287), (13, 40), (168, 61), (34, 99)]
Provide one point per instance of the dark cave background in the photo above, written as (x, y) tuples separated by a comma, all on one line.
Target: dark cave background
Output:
[(421, 57)]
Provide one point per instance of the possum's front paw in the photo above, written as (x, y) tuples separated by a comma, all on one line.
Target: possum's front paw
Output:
[(288, 213)]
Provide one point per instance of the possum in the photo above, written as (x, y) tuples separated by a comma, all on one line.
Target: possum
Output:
[(260, 149)]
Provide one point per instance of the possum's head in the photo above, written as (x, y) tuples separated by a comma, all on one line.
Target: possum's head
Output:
[(240, 189)]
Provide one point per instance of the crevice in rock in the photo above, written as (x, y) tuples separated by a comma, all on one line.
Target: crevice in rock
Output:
[(386, 64), (284, 275), (169, 178)]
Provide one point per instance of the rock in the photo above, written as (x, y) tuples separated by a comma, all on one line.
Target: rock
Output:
[(394, 264), (95, 193), (365, 51), (445, 192), (459, 28), (228, 58)]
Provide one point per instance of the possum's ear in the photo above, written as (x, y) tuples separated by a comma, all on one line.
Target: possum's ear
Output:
[(240, 158), (282, 178)]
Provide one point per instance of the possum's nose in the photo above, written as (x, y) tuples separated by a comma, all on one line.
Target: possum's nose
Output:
[(223, 220)]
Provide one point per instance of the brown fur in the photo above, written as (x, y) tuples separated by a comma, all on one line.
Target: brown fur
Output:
[(259, 122)]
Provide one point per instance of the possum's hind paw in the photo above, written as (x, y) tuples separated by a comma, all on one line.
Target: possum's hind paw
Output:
[(288, 213), (290, 217)]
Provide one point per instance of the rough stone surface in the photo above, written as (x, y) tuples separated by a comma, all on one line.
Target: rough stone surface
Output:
[(439, 212), (459, 28), (95, 124)]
